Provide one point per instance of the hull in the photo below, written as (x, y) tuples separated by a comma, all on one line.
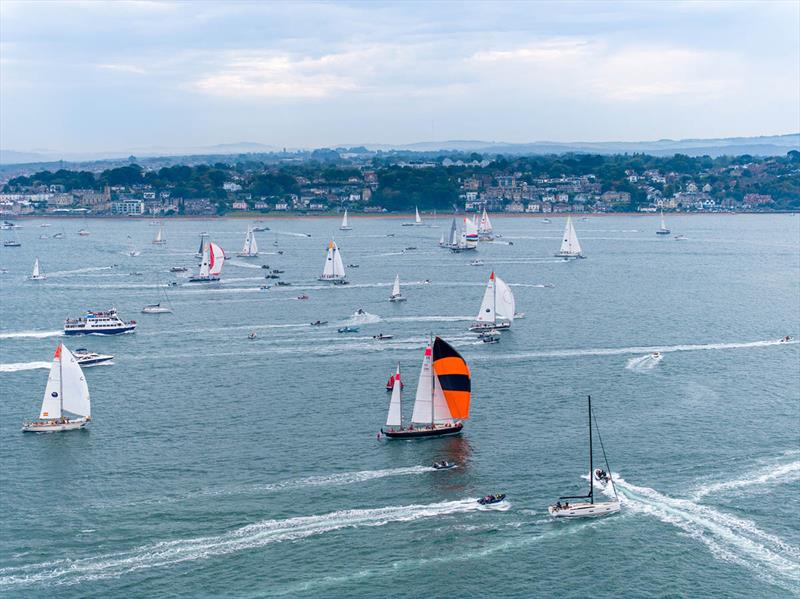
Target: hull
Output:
[(204, 279), (663, 232), (95, 361), (421, 433), (569, 256), (397, 299), (242, 255), (333, 281), (108, 331), (500, 326), (585, 510), (52, 427), (345, 228)]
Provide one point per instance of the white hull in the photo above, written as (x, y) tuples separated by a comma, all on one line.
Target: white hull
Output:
[(569, 256), (54, 427), (585, 510), (244, 255), (397, 299), (488, 326), (37, 278), (345, 228), (160, 310)]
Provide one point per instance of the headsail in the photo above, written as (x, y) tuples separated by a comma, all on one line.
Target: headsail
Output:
[(441, 411), (51, 402), (216, 259), (75, 396), (487, 312), (35, 273), (453, 376), (505, 306), (423, 410), (485, 226), (395, 417)]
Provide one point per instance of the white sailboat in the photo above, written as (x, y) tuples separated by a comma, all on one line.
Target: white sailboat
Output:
[(36, 275), (66, 404), (586, 509), (441, 240), (250, 247), (396, 296), (211, 264), (442, 399), (345, 226), (498, 307), (663, 230), (333, 271), (417, 220), (570, 246), (159, 238), (485, 227)]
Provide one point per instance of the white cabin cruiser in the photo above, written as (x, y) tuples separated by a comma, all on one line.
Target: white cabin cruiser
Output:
[(66, 405), (98, 323), (89, 358)]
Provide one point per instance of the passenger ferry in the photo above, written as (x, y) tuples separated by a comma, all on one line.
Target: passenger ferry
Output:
[(98, 323)]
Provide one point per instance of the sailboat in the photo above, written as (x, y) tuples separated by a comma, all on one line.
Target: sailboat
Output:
[(663, 230), (333, 271), (442, 400), (65, 397), (417, 220), (199, 253), (396, 296), (465, 238), (36, 275), (441, 241), (485, 227), (211, 265), (345, 226), (159, 238), (250, 247), (591, 508), (497, 308), (570, 246), (158, 308)]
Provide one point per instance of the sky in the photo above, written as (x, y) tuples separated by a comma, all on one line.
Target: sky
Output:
[(101, 76)]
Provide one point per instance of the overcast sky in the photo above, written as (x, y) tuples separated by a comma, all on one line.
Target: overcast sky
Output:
[(93, 76)]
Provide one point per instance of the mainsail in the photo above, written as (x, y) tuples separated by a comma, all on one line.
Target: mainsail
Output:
[(569, 243), (205, 261), (334, 267), (453, 376), (487, 312), (345, 226), (417, 219), (35, 273), (423, 410), (396, 287), (395, 417), (453, 233), (250, 247), (51, 403), (159, 238)]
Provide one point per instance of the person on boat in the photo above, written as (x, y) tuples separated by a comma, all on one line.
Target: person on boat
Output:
[(360, 311), (566, 505), (558, 504)]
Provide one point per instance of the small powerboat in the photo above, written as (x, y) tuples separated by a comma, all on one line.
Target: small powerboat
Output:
[(282, 284), (601, 476), (519, 315), (445, 466), (680, 238), (272, 276), (86, 358), (319, 323), (352, 266), (265, 266), (302, 297), (275, 271), (156, 309), (382, 337), (265, 288), (252, 335), (656, 355), (11, 244), (178, 269), (492, 499), (347, 330), (490, 336), (786, 339), (476, 263), (83, 233), (136, 274)]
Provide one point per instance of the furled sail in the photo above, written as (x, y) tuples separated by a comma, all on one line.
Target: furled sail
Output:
[(453, 376)]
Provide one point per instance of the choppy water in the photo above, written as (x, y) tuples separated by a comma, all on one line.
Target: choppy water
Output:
[(216, 465)]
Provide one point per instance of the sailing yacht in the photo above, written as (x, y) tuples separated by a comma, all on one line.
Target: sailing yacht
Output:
[(485, 227), (570, 246), (417, 220), (211, 265), (250, 247), (442, 400), (497, 308), (159, 238), (464, 238), (591, 508), (36, 275), (345, 226), (396, 296), (333, 271), (663, 230), (65, 405)]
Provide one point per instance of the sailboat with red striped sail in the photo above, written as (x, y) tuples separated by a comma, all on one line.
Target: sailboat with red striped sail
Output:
[(443, 396)]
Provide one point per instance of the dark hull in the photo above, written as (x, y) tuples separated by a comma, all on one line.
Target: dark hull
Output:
[(422, 433), (203, 280), (115, 331)]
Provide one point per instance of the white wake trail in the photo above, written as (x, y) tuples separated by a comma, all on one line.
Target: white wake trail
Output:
[(18, 366), (30, 334), (773, 474)]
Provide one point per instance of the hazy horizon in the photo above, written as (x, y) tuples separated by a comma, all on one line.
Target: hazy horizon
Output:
[(104, 77)]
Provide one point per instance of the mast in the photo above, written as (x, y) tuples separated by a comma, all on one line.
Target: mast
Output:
[(494, 308), (591, 467), (433, 382), (61, 378)]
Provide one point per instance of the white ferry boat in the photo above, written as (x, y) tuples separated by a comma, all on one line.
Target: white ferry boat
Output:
[(98, 323)]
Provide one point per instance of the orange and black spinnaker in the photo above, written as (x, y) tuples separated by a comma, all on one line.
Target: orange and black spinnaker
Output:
[(453, 374)]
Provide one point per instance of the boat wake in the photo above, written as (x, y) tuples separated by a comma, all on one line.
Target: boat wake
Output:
[(729, 538), (647, 362), (342, 478), (364, 318), (253, 536), (775, 473), (78, 271), (238, 264), (30, 334), (17, 367)]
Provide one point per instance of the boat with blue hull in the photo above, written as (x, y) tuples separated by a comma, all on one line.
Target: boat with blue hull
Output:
[(98, 323)]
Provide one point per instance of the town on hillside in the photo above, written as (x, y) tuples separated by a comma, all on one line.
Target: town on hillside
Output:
[(371, 182)]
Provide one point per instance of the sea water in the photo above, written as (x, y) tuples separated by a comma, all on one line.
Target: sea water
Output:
[(220, 465)]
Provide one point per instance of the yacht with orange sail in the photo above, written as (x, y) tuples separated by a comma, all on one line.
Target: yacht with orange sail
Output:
[(443, 396)]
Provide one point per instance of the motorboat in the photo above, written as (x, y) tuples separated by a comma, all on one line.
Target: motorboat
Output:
[(786, 339), (98, 323), (382, 337), (476, 263), (546, 221), (134, 253), (352, 266), (265, 266), (319, 323), (490, 336), (89, 358), (178, 269), (347, 330), (656, 355), (156, 309), (11, 243), (680, 238), (265, 288), (83, 233), (136, 273), (283, 284), (601, 476), (519, 315), (277, 271), (302, 297), (444, 465), (252, 335), (410, 248), (272, 276), (492, 499)]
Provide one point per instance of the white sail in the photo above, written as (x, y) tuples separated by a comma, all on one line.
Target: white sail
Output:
[(159, 238), (345, 226), (205, 261), (663, 224), (441, 239), (35, 273), (51, 402), (453, 233), (570, 246), (487, 312), (417, 219), (485, 226), (470, 233), (334, 267), (253, 244), (505, 306), (75, 391), (396, 287), (422, 402), (441, 411), (216, 259), (395, 417), (250, 247)]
